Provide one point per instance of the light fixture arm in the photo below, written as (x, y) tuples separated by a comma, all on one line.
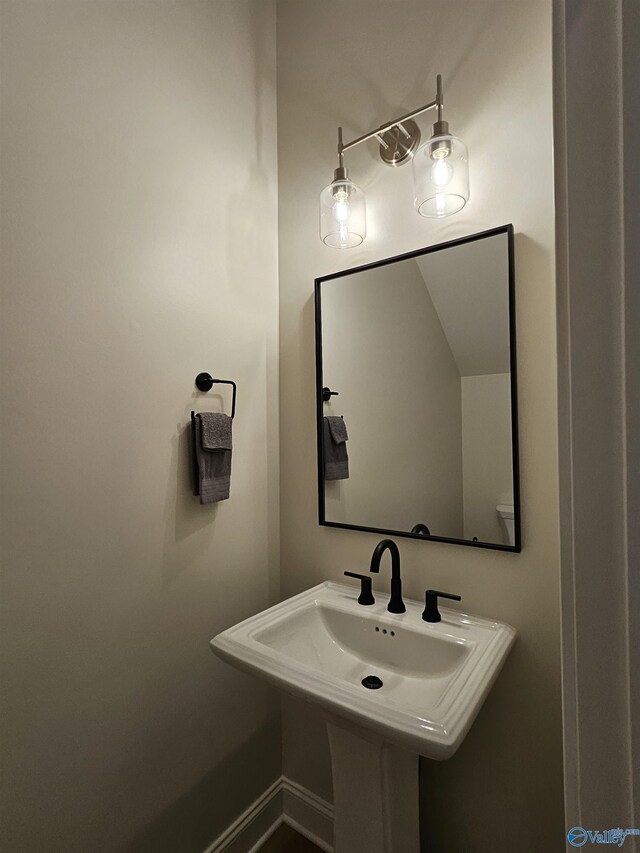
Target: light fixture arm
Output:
[(437, 103)]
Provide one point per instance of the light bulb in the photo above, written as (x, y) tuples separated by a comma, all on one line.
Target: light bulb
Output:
[(441, 173), (341, 211)]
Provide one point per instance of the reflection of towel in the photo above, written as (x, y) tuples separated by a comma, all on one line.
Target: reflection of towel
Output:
[(214, 466), (338, 429), (336, 459)]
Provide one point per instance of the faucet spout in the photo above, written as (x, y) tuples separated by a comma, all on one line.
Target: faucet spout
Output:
[(381, 547), (396, 604)]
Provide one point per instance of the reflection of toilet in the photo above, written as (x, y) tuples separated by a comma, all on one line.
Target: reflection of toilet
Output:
[(505, 512)]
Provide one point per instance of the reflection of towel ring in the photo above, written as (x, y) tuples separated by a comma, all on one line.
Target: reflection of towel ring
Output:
[(421, 529), (327, 394)]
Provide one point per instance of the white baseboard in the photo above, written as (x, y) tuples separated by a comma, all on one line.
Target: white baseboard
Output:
[(308, 814), (283, 802), (249, 832)]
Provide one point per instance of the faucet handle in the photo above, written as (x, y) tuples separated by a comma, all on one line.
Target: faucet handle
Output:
[(431, 596), (366, 596)]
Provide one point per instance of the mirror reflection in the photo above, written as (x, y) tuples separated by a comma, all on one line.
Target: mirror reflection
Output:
[(416, 424)]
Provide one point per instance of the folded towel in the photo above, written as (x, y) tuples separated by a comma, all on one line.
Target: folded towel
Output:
[(214, 468), (336, 459), (338, 429), (216, 431)]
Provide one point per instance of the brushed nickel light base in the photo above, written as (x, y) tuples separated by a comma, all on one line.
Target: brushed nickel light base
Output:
[(399, 142)]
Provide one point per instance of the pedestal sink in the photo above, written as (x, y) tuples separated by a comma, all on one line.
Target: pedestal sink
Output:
[(394, 687)]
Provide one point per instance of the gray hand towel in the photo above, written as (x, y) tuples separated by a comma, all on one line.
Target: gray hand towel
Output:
[(216, 431), (214, 467), (338, 429), (336, 459)]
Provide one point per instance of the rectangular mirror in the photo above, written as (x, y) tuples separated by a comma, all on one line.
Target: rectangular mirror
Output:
[(416, 394)]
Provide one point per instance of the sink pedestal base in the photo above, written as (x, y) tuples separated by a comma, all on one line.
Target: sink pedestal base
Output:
[(375, 794)]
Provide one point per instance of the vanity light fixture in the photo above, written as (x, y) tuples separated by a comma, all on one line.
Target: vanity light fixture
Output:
[(440, 175)]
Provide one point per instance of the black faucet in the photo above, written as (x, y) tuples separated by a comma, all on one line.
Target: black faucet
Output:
[(396, 604)]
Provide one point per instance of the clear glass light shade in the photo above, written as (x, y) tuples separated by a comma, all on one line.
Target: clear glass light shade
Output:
[(343, 222), (441, 176)]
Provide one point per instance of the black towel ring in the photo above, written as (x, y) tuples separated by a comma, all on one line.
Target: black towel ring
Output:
[(205, 382)]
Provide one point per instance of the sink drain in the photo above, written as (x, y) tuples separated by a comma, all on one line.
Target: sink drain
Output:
[(371, 682)]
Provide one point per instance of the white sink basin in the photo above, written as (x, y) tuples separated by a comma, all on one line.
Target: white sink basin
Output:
[(320, 644)]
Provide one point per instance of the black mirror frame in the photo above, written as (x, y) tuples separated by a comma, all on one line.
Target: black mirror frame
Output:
[(503, 229)]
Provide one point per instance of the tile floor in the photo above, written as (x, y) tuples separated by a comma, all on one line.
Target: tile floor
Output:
[(285, 840)]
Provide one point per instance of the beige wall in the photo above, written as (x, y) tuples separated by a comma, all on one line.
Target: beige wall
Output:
[(126, 271), (132, 259), (358, 64), (399, 392)]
